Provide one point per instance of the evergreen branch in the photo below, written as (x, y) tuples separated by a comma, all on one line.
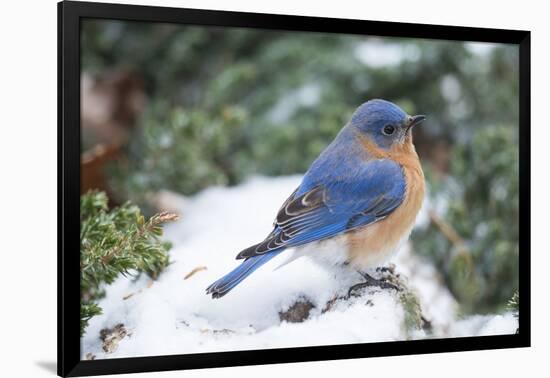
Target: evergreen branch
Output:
[(144, 228), (113, 242)]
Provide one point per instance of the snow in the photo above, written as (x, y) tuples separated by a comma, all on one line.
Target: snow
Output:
[(377, 53), (307, 95), (173, 315), (485, 325)]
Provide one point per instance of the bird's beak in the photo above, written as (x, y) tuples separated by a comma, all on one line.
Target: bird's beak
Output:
[(415, 120)]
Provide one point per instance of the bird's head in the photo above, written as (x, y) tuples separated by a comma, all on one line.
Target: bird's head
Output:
[(384, 123)]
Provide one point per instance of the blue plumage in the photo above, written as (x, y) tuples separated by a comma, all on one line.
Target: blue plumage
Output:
[(345, 188), (372, 116), (233, 278)]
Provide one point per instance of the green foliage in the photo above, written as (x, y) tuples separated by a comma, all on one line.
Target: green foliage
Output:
[(412, 310), (209, 155), (513, 303), (225, 103), (87, 311), (483, 209), (114, 242)]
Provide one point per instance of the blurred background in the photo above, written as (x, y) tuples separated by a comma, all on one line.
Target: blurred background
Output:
[(175, 109)]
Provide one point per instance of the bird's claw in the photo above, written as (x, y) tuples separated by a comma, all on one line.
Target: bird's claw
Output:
[(371, 281)]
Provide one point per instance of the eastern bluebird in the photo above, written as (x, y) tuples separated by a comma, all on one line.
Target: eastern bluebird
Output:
[(363, 192)]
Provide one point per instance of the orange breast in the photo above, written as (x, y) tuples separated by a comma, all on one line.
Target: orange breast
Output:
[(372, 245)]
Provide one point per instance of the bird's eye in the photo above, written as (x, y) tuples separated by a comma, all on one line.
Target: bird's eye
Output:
[(388, 130)]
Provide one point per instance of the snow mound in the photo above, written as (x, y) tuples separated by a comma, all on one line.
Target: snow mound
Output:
[(173, 315)]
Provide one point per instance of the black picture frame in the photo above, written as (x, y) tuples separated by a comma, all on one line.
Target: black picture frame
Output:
[(70, 15)]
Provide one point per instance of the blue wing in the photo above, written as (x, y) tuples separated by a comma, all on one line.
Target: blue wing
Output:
[(333, 201)]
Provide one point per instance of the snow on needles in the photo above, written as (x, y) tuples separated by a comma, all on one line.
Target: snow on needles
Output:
[(173, 315)]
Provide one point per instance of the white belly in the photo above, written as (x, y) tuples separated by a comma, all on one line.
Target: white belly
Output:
[(327, 253), (335, 253)]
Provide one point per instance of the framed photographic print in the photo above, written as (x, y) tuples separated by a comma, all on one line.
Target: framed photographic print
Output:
[(255, 188)]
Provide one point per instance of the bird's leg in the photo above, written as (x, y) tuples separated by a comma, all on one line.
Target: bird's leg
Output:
[(371, 281)]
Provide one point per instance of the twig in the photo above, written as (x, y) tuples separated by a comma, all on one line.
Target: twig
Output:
[(449, 232), (196, 270)]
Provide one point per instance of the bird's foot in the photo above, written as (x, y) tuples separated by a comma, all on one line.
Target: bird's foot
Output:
[(385, 269), (371, 281)]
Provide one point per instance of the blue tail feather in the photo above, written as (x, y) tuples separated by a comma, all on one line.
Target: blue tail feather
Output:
[(236, 276)]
